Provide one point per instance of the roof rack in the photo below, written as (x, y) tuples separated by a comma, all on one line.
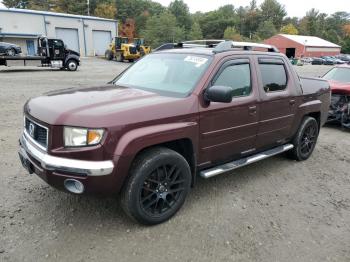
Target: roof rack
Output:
[(218, 46), (229, 45)]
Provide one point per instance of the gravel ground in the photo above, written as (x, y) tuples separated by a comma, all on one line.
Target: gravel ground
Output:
[(274, 210)]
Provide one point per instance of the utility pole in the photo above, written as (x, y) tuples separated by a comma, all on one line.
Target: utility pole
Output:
[(88, 7)]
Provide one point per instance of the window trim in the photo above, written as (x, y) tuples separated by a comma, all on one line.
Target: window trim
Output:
[(233, 62), (273, 61)]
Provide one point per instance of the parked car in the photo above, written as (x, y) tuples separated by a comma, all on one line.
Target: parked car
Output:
[(317, 61), (328, 60), (339, 80), (148, 133), (9, 49), (307, 60), (337, 60), (343, 57)]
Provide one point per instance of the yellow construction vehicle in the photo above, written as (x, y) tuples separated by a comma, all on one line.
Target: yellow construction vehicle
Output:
[(121, 49), (141, 47)]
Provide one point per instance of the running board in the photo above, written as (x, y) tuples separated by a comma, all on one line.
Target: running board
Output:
[(244, 161)]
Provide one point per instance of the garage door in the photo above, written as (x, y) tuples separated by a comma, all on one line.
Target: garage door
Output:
[(70, 37), (101, 41)]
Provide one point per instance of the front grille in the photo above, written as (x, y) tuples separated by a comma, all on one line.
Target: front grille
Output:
[(37, 132), (132, 50)]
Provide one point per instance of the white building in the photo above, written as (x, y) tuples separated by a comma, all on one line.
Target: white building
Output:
[(86, 34)]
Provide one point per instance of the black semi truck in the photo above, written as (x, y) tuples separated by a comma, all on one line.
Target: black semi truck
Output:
[(50, 53)]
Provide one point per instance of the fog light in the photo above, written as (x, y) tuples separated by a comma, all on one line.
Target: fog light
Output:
[(74, 186)]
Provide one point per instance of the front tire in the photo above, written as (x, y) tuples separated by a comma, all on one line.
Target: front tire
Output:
[(119, 57), (305, 140), (11, 52), (159, 182), (72, 65)]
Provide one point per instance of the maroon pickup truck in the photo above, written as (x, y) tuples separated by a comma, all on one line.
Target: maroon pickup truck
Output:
[(171, 116)]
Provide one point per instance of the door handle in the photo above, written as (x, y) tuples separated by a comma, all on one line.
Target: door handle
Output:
[(252, 110), (292, 102)]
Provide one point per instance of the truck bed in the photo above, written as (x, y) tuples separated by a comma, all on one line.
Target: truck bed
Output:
[(4, 57), (313, 85)]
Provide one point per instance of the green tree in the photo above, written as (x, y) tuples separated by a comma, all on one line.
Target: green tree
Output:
[(215, 22), (251, 20), (182, 13), (266, 29), (107, 10), (289, 29), (232, 34), (162, 29), (16, 3), (274, 11), (195, 32)]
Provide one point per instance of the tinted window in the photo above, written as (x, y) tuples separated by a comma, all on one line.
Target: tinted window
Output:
[(338, 74), (274, 77), (237, 77)]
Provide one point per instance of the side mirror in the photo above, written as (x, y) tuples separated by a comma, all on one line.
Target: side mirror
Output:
[(221, 94), (65, 46)]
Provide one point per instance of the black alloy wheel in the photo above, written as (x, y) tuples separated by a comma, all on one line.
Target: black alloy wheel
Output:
[(305, 139), (158, 184), (162, 189)]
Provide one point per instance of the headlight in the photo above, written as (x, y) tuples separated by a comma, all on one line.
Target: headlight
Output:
[(82, 136)]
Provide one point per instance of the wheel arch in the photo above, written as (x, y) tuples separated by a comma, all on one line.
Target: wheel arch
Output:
[(180, 137)]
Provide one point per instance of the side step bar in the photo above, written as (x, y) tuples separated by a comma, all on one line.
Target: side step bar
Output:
[(244, 161)]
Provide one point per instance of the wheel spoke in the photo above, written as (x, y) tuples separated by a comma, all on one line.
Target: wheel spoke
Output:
[(178, 182), (177, 190), (147, 197), (149, 189), (175, 176), (151, 203)]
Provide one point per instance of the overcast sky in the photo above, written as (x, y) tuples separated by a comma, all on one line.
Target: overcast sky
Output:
[(294, 7)]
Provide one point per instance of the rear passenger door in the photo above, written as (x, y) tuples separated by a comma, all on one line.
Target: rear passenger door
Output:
[(228, 130), (278, 103)]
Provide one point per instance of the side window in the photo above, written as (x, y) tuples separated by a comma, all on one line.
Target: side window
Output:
[(237, 77), (274, 77)]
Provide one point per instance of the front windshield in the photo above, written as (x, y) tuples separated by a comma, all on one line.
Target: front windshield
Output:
[(164, 73), (339, 75)]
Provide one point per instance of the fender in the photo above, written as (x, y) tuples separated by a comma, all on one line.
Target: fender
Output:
[(306, 108), (135, 140), (72, 56), (311, 106)]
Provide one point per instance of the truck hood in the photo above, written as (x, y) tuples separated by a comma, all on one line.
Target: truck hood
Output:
[(339, 87), (104, 106)]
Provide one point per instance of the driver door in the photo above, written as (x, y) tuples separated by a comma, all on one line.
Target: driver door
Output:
[(228, 130), (57, 50)]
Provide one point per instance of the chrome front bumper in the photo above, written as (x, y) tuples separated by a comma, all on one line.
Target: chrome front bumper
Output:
[(71, 166)]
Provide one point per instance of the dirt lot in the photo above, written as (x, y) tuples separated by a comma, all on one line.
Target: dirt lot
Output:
[(275, 210)]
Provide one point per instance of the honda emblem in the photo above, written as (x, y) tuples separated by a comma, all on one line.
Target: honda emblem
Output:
[(31, 129)]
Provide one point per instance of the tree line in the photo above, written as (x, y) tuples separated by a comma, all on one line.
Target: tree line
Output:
[(159, 24)]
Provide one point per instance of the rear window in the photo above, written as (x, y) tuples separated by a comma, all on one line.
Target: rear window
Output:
[(274, 77)]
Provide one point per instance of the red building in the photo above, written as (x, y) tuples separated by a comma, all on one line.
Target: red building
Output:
[(303, 46)]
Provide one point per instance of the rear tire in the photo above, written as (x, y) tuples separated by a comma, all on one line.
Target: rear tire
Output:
[(108, 55), (305, 140), (159, 182)]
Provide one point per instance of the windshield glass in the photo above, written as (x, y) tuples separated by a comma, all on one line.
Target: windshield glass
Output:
[(166, 74), (338, 74)]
